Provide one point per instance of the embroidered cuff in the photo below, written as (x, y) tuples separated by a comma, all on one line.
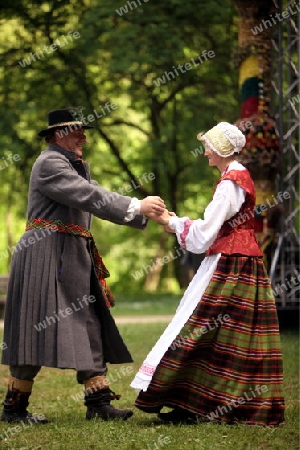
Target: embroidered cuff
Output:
[(172, 222), (187, 225)]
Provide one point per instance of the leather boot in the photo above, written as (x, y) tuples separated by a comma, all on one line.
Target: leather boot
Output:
[(16, 402), (97, 399)]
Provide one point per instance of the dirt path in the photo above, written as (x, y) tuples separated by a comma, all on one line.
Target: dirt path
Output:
[(131, 319)]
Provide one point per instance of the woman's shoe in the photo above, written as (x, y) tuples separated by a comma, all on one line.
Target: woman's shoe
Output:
[(178, 415)]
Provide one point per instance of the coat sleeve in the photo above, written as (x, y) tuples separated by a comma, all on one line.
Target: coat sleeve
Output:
[(57, 180), (198, 235)]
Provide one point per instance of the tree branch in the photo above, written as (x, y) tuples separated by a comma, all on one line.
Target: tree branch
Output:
[(128, 124)]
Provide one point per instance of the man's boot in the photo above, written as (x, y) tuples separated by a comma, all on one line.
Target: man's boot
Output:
[(16, 402), (97, 399)]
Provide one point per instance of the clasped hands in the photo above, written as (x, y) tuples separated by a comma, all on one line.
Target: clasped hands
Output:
[(154, 208)]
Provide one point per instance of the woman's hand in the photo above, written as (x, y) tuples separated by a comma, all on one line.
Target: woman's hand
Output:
[(166, 227), (163, 219)]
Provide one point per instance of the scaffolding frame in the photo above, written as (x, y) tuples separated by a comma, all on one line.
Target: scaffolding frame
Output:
[(284, 270)]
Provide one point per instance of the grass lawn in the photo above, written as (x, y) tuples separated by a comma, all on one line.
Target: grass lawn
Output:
[(59, 397), (146, 304)]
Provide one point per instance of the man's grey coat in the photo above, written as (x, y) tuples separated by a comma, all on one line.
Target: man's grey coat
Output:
[(51, 271)]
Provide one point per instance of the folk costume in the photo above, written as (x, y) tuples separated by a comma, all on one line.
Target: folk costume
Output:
[(57, 310), (220, 357)]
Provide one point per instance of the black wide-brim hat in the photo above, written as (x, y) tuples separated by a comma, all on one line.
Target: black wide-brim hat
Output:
[(61, 118)]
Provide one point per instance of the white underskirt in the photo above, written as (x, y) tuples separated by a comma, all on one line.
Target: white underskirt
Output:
[(188, 303)]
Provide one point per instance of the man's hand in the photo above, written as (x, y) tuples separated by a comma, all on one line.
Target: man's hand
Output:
[(152, 206)]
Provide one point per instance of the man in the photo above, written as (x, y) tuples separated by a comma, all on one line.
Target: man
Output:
[(57, 310)]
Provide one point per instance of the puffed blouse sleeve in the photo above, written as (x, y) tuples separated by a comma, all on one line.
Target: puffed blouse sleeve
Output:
[(197, 236)]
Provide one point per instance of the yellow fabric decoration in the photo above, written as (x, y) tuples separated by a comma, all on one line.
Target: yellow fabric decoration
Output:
[(249, 68)]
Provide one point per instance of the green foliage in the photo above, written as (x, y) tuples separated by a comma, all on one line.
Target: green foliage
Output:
[(102, 56)]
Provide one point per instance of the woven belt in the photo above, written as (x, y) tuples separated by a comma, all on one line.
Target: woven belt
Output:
[(77, 230)]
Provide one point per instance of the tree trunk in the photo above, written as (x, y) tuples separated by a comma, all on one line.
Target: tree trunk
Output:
[(156, 266)]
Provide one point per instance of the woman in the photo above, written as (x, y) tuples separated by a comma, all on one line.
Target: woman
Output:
[(220, 357)]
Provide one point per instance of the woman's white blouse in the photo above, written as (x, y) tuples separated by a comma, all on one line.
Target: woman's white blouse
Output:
[(198, 235)]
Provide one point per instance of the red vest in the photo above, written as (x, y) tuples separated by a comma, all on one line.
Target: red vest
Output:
[(237, 234)]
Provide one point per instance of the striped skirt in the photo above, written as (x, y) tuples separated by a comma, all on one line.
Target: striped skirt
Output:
[(225, 365)]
